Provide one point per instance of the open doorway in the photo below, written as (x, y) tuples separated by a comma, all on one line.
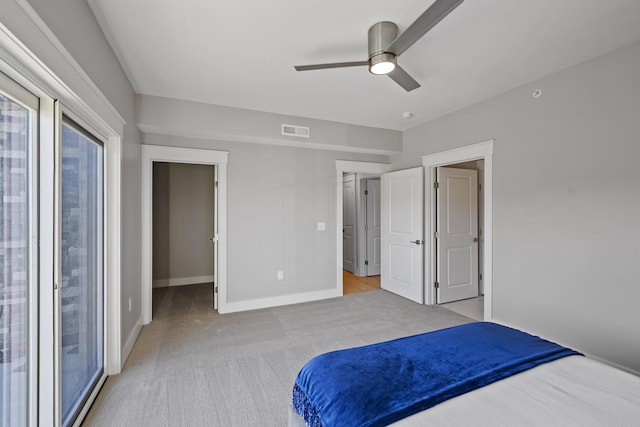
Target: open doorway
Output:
[(183, 228), (478, 157), (152, 154), (459, 241), (361, 232), (354, 278)]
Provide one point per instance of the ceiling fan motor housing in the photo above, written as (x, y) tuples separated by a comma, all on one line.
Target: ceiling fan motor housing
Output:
[(381, 34)]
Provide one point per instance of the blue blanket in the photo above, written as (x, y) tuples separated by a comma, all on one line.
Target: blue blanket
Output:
[(379, 384)]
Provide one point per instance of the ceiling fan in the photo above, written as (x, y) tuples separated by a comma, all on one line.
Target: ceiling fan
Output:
[(385, 45)]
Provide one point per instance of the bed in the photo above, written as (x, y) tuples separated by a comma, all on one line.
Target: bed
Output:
[(475, 374)]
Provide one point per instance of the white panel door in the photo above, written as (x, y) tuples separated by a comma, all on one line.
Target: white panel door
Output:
[(373, 228), (349, 223), (402, 233), (457, 238)]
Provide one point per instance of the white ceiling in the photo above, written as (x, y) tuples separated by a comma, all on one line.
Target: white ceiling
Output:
[(241, 53)]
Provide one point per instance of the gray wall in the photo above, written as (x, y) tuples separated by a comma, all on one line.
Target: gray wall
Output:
[(75, 26), (566, 201), (276, 195), (182, 222), (197, 120)]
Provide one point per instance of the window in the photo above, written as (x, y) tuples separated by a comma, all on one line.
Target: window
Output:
[(49, 370), (81, 325), (17, 141)]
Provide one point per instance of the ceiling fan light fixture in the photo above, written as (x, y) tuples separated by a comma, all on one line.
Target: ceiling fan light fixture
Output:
[(383, 63), (385, 45)]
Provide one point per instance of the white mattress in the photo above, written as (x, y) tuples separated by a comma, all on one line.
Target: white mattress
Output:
[(572, 391)]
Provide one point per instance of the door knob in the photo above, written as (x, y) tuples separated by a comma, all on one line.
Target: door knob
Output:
[(475, 240), (417, 242)]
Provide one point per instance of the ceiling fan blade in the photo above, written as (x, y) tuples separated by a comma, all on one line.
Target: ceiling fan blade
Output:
[(332, 65), (400, 76), (434, 14)]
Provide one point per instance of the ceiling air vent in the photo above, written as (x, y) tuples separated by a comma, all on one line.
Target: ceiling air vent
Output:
[(291, 130)]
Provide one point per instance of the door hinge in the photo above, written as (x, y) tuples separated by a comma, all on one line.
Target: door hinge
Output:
[(366, 227), (436, 185), (437, 285), (366, 263), (215, 289), (479, 187), (215, 183), (436, 235), (480, 276), (366, 192)]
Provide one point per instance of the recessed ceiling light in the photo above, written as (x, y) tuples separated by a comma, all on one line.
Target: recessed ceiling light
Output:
[(407, 115)]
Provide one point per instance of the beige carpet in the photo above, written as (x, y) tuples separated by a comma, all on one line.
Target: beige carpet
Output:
[(194, 367)]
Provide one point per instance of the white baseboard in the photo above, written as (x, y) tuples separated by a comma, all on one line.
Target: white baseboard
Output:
[(131, 340), (232, 307), (181, 281)]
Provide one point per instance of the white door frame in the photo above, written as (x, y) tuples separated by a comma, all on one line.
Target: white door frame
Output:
[(343, 166), (479, 151), (156, 153)]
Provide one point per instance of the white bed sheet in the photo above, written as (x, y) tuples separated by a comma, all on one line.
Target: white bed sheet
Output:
[(572, 391)]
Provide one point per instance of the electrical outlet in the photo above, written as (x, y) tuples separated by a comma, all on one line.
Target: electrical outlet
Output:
[(280, 275), (322, 226), (130, 304)]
